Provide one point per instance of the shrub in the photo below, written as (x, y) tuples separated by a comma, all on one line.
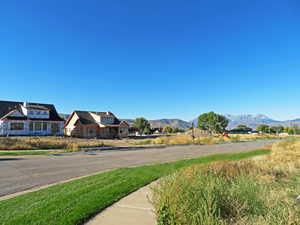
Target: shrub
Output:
[(196, 196)]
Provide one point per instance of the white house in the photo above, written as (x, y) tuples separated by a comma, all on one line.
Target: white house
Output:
[(21, 118)]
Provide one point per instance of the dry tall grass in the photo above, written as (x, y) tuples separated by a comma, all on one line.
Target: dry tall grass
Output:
[(36, 143), (246, 192), (181, 139), (285, 156)]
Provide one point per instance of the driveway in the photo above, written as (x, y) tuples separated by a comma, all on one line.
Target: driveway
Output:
[(19, 173)]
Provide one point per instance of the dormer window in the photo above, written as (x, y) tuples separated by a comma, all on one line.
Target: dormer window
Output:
[(38, 113), (107, 120)]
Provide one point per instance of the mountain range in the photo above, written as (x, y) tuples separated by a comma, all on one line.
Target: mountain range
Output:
[(176, 123), (254, 120), (250, 120)]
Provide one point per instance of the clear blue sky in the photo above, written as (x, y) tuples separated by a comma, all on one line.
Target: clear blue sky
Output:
[(157, 59)]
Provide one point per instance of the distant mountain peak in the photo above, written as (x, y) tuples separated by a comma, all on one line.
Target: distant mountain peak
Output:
[(176, 123), (252, 120), (247, 117)]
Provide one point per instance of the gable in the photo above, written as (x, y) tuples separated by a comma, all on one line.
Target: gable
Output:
[(7, 107), (72, 120), (124, 124), (15, 113)]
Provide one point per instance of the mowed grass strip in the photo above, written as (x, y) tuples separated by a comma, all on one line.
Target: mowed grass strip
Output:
[(76, 201), (34, 152), (16, 153)]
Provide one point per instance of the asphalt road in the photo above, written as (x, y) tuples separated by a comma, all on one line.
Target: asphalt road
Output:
[(19, 173)]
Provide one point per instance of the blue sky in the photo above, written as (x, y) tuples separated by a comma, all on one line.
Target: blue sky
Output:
[(157, 59)]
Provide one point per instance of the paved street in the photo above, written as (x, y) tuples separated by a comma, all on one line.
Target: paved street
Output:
[(19, 173)]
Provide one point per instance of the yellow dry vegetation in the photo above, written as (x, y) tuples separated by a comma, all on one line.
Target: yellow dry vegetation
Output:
[(181, 139), (258, 191)]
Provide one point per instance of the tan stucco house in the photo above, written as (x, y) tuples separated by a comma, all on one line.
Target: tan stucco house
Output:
[(87, 124)]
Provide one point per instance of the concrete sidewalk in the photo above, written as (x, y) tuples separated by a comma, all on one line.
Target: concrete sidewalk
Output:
[(134, 209)]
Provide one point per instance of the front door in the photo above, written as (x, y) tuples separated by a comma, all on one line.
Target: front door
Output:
[(114, 132)]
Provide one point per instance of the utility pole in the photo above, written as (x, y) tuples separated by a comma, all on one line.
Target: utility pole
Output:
[(193, 132)]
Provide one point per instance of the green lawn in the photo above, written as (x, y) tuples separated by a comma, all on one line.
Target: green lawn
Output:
[(34, 152), (76, 201), (16, 153)]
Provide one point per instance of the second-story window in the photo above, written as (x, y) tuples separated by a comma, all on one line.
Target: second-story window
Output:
[(107, 120)]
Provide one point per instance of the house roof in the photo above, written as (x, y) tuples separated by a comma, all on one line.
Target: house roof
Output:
[(36, 107), (8, 106), (86, 118)]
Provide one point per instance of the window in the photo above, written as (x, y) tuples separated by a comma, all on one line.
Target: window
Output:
[(17, 126), (107, 120), (55, 127), (31, 126), (45, 126), (38, 112), (37, 126), (30, 113)]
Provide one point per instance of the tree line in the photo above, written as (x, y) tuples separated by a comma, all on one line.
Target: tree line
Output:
[(215, 124), (143, 126)]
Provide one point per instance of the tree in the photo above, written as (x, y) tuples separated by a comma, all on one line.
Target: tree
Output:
[(147, 130), (294, 130), (212, 122), (277, 129), (286, 130), (178, 130), (242, 128), (142, 125), (263, 128), (168, 129)]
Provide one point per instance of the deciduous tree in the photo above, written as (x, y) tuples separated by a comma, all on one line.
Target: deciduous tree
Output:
[(212, 122), (263, 128), (142, 125), (168, 129)]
